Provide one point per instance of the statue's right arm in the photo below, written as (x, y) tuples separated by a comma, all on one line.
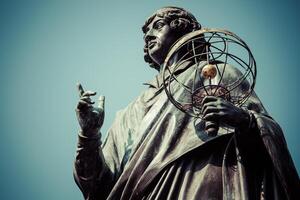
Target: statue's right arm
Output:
[(91, 173)]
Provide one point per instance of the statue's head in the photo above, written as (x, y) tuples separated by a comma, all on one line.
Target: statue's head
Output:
[(164, 28)]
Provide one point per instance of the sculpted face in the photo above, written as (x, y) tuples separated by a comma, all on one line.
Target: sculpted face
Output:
[(159, 37)]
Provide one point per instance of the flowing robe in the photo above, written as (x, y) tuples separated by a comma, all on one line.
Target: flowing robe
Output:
[(155, 151)]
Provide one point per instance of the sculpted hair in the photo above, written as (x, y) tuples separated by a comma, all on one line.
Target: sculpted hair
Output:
[(179, 19)]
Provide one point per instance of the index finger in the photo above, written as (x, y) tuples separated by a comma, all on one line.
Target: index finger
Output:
[(80, 89)]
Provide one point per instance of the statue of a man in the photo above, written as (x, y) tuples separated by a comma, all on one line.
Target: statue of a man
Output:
[(155, 151)]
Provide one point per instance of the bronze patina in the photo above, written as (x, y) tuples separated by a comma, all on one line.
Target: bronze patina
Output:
[(155, 151)]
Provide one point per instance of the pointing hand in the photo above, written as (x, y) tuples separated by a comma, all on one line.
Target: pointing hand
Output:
[(90, 118)]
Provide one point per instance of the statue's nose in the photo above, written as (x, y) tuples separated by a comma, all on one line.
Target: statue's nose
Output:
[(149, 36)]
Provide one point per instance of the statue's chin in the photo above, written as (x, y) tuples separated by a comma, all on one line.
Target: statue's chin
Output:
[(157, 55)]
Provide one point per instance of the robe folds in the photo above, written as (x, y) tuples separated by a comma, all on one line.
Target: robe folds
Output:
[(155, 151)]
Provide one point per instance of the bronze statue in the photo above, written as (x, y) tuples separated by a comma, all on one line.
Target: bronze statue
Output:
[(155, 151)]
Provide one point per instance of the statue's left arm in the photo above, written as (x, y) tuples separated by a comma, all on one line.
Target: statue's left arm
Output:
[(258, 135)]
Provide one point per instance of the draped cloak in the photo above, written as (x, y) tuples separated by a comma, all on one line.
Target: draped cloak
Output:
[(155, 151)]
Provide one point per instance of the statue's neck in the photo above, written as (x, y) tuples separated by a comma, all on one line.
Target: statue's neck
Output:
[(173, 60)]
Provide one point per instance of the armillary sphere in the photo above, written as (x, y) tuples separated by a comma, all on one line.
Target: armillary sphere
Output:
[(222, 65)]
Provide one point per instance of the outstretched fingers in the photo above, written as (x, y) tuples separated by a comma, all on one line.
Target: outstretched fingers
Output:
[(82, 93)]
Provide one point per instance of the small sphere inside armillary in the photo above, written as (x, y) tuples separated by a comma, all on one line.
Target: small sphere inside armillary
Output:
[(209, 71)]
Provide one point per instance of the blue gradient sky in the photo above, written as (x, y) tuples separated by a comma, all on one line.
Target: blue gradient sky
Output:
[(48, 46)]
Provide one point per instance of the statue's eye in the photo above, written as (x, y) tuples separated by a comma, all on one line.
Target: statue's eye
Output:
[(159, 25)]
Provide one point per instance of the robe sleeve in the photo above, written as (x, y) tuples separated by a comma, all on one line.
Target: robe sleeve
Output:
[(265, 139), (91, 173), (98, 166), (276, 147)]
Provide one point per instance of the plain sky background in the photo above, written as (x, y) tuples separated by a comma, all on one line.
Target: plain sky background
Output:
[(46, 47)]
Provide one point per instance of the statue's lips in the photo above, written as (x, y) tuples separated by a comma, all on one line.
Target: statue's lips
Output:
[(151, 44)]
